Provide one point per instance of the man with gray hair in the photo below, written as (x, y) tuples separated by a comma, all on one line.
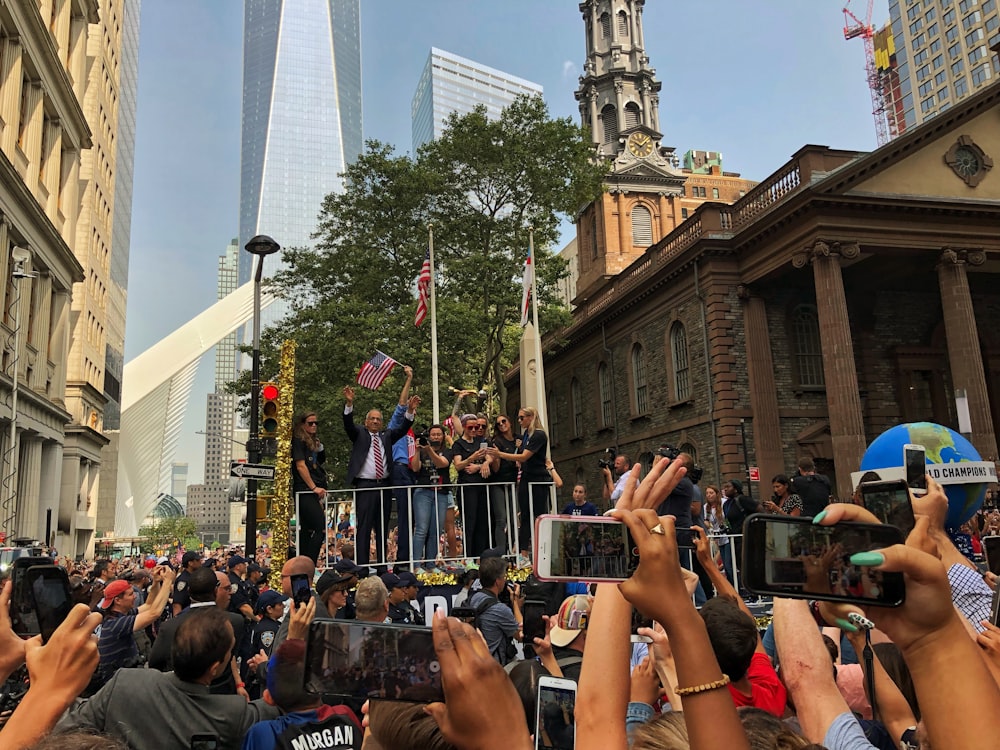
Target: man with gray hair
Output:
[(371, 601)]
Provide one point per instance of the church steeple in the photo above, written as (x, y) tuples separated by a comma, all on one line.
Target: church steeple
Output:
[(618, 91)]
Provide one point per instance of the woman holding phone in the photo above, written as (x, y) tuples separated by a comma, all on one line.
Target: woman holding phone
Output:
[(784, 501)]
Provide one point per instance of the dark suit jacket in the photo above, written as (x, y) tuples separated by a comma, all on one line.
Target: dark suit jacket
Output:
[(363, 443), (160, 657)]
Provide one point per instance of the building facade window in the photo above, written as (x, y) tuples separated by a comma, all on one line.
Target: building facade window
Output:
[(605, 26), (715, 193), (633, 115), (807, 346), (640, 392), (679, 360), (576, 403), (604, 389), (622, 24), (642, 226), (609, 116), (690, 450)]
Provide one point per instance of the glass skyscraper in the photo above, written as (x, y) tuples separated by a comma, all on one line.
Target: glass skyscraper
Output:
[(451, 83), (301, 116)]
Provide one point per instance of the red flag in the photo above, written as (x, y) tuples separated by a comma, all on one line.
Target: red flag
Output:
[(423, 289), (374, 372)]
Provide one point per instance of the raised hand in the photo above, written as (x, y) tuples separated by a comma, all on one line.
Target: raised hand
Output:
[(348, 395)]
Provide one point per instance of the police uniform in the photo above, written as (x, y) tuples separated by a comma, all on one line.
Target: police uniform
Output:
[(239, 591), (182, 592), (403, 613)]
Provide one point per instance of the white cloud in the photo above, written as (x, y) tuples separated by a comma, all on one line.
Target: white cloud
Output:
[(570, 71)]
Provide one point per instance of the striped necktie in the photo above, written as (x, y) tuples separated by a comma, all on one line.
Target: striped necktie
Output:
[(379, 461)]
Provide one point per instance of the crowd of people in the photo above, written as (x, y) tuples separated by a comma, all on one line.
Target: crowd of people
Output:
[(226, 662)]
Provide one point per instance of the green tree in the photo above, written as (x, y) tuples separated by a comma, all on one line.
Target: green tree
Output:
[(166, 532)]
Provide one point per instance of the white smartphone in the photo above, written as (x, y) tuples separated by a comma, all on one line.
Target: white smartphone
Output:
[(583, 548), (483, 445), (915, 463), (554, 705)]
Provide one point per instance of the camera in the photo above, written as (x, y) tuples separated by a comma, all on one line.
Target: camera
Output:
[(695, 474), (421, 435), (668, 451), (608, 462)]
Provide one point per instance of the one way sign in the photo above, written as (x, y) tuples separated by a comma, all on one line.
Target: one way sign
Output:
[(251, 471)]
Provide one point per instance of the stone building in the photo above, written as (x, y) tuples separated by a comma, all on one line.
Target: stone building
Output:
[(844, 294)]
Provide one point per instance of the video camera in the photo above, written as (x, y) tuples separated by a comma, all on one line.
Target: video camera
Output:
[(608, 462), (694, 473)]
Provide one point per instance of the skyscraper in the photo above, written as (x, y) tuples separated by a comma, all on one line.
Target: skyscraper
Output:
[(301, 115), (945, 50), (451, 83)]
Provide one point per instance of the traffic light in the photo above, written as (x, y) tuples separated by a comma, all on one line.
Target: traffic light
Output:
[(263, 504), (269, 396)]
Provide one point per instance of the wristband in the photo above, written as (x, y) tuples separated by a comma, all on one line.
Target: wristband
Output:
[(715, 685), (240, 685)]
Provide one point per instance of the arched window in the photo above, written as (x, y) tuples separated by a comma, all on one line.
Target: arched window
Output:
[(641, 394), (807, 345), (633, 115), (604, 387), (577, 405), (679, 358), (642, 226), (605, 26), (609, 116), (646, 462), (622, 24), (553, 419), (690, 450)]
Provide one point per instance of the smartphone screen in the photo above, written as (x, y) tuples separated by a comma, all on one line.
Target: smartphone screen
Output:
[(483, 445), (792, 557), (533, 625), (367, 660), (554, 726), (583, 548), (300, 588), (639, 620), (991, 547), (890, 503), (49, 585), (204, 742), (23, 617), (915, 461)]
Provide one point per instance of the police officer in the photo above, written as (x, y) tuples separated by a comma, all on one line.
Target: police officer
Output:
[(181, 595), (411, 585), (240, 601), (255, 576), (400, 611), (270, 608)]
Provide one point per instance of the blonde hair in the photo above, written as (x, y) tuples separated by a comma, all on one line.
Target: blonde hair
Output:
[(536, 421), (665, 732)]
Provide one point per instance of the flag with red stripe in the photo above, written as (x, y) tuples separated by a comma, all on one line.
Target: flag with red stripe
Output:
[(423, 289), (374, 372)]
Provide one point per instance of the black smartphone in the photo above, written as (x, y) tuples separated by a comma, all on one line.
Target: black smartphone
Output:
[(991, 548), (639, 620), (23, 618), (301, 588), (533, 625), (889, 501), (995, 610), (368, 660), (49, 587), (465, 614), (204, 742), (792, 557)]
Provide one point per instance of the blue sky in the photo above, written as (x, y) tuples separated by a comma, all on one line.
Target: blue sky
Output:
[(754, 80)]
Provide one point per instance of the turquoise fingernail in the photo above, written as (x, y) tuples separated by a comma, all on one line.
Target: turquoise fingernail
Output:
[(845, 625), (867, 559), (818, 518)]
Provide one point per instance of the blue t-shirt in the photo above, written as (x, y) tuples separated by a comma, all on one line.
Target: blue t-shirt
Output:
[(587, 509), (116, 644)]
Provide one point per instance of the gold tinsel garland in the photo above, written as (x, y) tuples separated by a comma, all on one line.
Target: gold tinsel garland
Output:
[(281, 506), (450, 576)]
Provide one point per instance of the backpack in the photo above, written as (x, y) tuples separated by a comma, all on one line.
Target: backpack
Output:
[(506, 651)]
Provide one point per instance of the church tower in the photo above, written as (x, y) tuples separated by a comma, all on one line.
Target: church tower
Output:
[(619, 100)]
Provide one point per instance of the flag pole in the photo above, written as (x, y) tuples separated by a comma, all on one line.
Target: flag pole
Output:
[(434, 330), (539, 369)]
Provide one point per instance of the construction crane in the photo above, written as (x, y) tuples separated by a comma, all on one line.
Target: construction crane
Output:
[(853, 28)]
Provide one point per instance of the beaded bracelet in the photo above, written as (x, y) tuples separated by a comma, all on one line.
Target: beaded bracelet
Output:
[(703, 688)]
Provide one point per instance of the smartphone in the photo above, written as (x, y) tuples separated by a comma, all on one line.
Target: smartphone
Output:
[(49, 586), (483, 445), (554, 725), (368, 660), (995, 611), (639, 620), (533, 626), (915, 462), (991, 548), (792, 557), (23, 618), (301, 589), (465, 614), (583, 548), (889, 501), (204, 742)]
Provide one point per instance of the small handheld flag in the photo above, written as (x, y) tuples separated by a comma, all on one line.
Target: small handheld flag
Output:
[(374, 372)]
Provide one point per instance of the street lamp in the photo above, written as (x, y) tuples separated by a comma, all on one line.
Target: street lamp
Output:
[(260, 246)]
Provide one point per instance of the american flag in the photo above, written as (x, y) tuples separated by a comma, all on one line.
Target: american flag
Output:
[(374, 372), (423, 289), (526, 295)]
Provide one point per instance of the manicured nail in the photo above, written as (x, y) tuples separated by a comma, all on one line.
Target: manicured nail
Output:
[(818, 518), (867, 559), (845, 625), (861, 621)]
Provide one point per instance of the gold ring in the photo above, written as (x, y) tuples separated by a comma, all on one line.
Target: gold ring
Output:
[(658, 529)]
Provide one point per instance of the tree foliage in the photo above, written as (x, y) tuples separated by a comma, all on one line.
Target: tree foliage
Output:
[(167, 532), (481, 185)]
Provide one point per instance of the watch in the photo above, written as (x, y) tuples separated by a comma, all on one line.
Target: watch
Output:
[(640, 145)]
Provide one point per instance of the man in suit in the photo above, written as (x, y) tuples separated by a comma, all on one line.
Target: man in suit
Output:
[(368, 471)]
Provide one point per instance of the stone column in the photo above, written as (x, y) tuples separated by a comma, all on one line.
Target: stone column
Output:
[(48, 491), (619, 107), (666, 226), (595, 134), (639, 40), (965, 357), (59, 344), (843, 401), (10, 104), (28, 475), (763, 395), (644, 95)]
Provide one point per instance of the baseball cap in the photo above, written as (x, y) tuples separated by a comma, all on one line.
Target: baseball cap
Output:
[(391, 581), (113, 589), (406, 578), (268, 599), (350, 567), (236, 560), (491, 552), (571, 620), (332, 578), (163, 560), (190, 557), (254, 568)]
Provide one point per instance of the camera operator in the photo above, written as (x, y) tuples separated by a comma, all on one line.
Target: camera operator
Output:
[(678, 504), (613, 488), (431, 496)]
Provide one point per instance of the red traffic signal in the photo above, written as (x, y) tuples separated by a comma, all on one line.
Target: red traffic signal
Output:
[(269, 410)]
